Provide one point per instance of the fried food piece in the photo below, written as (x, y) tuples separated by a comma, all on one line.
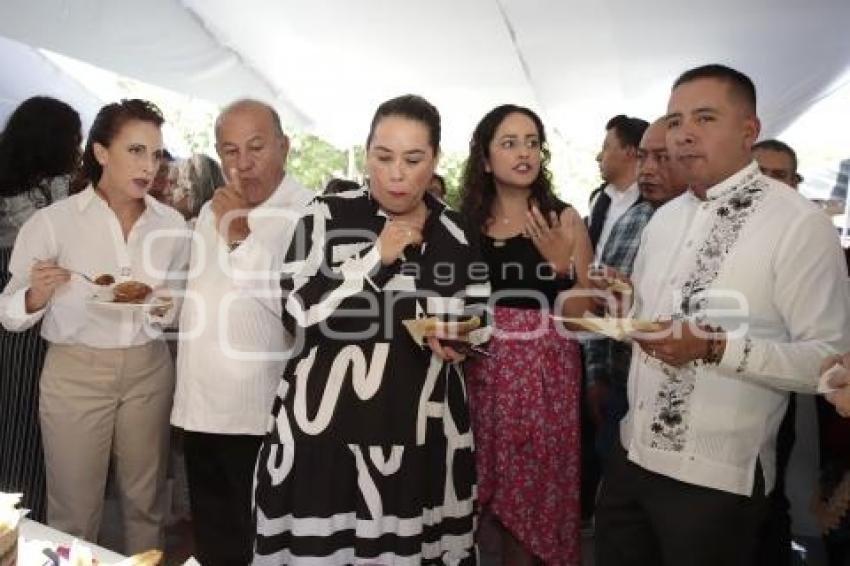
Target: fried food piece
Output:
[(131, 292), (149, 558), (105, 280)]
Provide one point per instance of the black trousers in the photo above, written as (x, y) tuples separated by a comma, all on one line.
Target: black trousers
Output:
[(220, 470), (647, 519), (774, 546)]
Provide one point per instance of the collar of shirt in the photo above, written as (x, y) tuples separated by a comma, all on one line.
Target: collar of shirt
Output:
[(290, 196), (288, 193), (88, 197), (631, 193), (734, 182)]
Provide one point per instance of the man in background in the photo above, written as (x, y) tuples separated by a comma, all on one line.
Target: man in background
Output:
[(607, 361), (776, 159)]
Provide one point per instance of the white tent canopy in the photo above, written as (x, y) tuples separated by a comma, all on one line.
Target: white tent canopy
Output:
[(326, 64), (578, 62), (24, 72)]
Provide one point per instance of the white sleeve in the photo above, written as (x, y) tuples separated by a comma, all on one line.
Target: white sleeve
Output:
[(811, 293), (256, 264), (175, 283), (36, 241)]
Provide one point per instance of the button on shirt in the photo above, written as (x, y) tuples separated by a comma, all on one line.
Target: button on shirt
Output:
[(233, 345), (621, 201), (83, 234), (759, 260)]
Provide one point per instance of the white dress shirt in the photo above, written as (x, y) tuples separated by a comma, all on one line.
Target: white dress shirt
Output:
[(774, 278), (621, 201), (83, 234), (233, 346)]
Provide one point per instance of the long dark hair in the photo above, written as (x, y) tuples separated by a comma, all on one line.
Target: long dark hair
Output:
[(106, 126), (478, 190), (41, 140)]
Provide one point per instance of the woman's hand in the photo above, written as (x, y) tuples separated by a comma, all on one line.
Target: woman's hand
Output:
[(397, 235), (446, 353), (45, 278), (554, 240)]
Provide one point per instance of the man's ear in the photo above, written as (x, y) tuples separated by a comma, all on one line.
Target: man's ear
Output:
[(752, 129), (284, 147)]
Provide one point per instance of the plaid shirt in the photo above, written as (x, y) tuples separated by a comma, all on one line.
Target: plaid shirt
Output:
[(607, 360)]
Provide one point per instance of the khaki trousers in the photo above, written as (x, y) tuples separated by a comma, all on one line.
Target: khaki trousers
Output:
[(97, 404)]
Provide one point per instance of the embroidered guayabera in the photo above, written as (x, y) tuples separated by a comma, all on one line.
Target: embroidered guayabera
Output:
[(732, 209)]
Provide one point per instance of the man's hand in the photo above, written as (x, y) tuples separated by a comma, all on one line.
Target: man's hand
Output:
[(45, 278), (677, 342), (841, 397), (230, 209)]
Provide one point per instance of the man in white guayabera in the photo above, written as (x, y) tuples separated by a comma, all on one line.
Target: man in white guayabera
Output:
[(749, 281), (233, 346)]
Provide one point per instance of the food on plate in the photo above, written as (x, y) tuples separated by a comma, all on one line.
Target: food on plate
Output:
[(149, 558), (616, 328), (104, 280), (619, 286), (421, 328), (10, 516), (131, 292)]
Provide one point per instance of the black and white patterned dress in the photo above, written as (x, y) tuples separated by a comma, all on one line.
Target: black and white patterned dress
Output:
[(369, 456)]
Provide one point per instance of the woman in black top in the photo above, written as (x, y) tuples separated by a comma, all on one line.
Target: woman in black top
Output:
[(369, 454), (39, 152), (525, 397)]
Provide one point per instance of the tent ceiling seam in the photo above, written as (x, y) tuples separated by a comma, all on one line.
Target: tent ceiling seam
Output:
[(304, 120)]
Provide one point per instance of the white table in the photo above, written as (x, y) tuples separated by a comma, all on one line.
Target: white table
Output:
[(31, 530)]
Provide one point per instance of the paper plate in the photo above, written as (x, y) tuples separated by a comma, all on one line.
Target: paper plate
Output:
[(616, 328)]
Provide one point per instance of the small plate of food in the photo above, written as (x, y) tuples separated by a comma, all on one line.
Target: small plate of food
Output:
[(129, 295), (616, 328), (459, 334)]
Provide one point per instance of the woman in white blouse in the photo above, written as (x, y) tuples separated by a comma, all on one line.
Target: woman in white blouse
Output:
[(108, 379)]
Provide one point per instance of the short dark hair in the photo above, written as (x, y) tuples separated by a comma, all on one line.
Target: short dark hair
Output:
[(108, 122), (629, 130), (776, 145), (336, 186), (41, 140), (413, 107), (740, 84)]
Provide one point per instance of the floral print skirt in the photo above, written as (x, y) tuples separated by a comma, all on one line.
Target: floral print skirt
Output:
[(525, 415)]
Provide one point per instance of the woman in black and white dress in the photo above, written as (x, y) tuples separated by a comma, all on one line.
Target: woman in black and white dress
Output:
[(369, 456), (39, 153)]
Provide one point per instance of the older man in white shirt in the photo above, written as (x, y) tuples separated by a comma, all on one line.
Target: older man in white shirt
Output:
[(233, 344), (750, 279)]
